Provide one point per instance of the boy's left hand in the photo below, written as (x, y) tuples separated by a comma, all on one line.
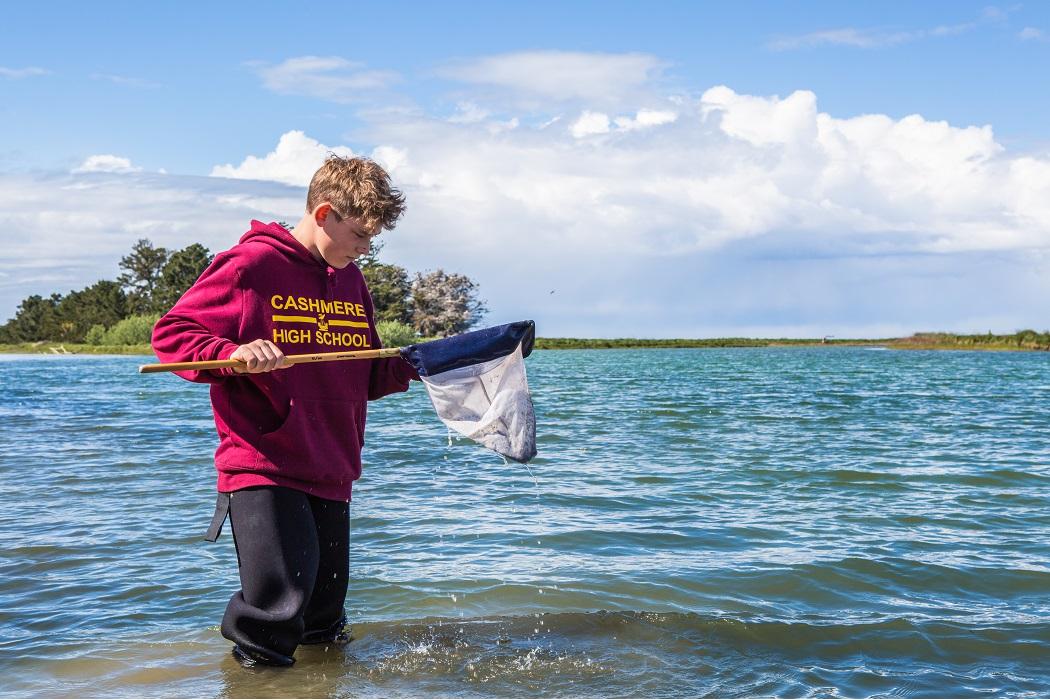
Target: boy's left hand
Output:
[(259, 356)]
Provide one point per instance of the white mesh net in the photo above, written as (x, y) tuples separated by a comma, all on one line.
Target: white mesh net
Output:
[(488, 403)]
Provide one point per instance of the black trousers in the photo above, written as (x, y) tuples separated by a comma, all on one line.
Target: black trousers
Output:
[(293, 556)]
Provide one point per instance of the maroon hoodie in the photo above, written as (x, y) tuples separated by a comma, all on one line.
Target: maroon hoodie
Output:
[(301, 427)]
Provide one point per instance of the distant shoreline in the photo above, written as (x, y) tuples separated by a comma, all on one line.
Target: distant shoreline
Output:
[(1023, 341), (938, 341), (45, 347)]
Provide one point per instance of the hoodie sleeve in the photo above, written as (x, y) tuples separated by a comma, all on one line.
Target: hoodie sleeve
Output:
[(389, 374), (204, 322)]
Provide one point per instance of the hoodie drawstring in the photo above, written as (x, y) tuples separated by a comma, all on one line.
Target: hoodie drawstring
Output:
[(330, 285)]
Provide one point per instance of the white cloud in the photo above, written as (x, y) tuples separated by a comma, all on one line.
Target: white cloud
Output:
[(761, 120), (124, 80), (293, 162), (998, 14), (645, 118), (392, 159), (590, 123), (495, 127), (468, 113), (1031, 34), (952, 29), (18, 73), (560, 75), (726, 168), (472, 114), (106, 163), (325, 77), (846, 36), (869, 38)]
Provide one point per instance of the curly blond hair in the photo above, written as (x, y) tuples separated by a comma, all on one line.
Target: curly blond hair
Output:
[(356, 187)]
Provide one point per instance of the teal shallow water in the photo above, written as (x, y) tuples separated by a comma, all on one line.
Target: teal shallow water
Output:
[(794, 522)]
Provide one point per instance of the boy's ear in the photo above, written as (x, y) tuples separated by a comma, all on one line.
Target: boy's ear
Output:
[(321, 213)]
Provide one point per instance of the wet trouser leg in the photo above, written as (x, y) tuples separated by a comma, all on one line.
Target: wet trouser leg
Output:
[(324, 618), (292, 551)]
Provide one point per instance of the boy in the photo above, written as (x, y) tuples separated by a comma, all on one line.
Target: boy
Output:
[(290, 441)]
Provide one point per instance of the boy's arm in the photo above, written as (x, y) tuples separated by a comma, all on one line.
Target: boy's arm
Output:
[(205, 323), (389, 374)]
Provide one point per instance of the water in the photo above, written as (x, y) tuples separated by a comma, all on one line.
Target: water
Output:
[(729, 522)]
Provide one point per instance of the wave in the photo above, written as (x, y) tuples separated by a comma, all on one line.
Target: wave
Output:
[(894, 637), (637, 653), (569, 654)]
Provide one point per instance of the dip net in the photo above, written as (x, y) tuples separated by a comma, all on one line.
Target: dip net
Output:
[(478, 386)]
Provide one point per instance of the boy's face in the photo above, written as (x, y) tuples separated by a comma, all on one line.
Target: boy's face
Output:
[(341, 240)]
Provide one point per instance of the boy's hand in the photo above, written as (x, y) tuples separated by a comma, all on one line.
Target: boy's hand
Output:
[(259, 356)]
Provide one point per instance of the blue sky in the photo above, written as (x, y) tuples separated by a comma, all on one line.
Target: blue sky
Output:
[(610, 169)]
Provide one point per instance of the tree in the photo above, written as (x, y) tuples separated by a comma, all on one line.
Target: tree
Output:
[(35, 319), (391, 291), (444, 304), (103, 303), (179, 273), (142, 268)]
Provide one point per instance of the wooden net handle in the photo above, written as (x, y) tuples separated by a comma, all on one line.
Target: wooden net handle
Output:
[(292, 359)]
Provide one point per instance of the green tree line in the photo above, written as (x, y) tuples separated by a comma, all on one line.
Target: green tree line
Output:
[(112, 312), (123, 311)]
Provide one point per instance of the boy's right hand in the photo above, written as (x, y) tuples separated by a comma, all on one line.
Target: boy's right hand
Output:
[(259, 356)]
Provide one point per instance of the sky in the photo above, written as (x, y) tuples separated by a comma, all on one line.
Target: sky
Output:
[(609, 169)]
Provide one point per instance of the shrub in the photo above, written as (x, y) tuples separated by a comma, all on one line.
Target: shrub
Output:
[(96, 335), (134, 330), (395, 334)]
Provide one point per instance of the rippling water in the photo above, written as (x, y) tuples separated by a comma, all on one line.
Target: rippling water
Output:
[(797, 521)]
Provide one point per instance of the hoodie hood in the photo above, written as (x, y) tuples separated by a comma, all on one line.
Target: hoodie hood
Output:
[(279, 238)]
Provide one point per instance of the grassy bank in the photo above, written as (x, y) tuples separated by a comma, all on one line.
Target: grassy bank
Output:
[(1023, 340), (44, 347)]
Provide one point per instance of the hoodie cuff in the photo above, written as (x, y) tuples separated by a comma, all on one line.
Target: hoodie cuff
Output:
[(404, 371), (224, 354)]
